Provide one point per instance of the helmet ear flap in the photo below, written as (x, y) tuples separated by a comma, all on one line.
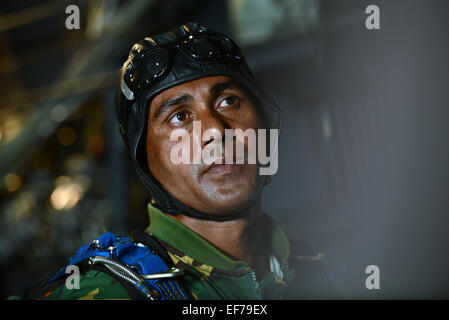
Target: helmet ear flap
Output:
[(136, 137)]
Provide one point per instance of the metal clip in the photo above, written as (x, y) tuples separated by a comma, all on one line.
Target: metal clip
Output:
[(170, 273)]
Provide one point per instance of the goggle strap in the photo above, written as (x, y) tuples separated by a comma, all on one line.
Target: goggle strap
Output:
[(151, 40), (127, 92)]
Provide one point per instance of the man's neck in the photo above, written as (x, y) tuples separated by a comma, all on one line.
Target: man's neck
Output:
[(241, 239)]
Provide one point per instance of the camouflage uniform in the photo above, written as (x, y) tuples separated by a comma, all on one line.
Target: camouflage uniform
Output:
[(210, 274)]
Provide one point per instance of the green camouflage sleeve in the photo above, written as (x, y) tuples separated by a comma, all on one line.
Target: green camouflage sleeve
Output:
[(93, 285)]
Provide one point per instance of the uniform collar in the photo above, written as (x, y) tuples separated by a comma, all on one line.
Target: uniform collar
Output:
[(193, 245)]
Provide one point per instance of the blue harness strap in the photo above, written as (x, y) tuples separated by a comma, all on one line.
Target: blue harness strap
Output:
[(132, 262)]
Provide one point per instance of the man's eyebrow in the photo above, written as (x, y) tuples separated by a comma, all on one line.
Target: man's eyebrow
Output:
[(171, 102), (219, 87)]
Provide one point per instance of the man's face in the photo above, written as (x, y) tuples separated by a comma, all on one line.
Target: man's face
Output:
[(219, 103)]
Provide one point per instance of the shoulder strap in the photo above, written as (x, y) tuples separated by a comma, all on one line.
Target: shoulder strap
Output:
[(154, 245)]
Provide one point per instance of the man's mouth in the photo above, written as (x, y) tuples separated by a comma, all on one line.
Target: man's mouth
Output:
[(221, 167), (216, 168)]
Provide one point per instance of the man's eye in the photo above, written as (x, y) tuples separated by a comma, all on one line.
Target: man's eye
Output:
[(179, 117), (228, 101)]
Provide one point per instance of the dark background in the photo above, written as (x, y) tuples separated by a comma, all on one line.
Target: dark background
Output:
[(363, 164)]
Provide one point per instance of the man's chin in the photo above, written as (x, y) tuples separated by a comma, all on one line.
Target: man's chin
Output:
[(230, 204)]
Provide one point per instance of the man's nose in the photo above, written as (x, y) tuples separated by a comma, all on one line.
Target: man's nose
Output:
[(214, 125)]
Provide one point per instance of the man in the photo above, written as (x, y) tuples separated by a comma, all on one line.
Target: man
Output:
[(207, 228)]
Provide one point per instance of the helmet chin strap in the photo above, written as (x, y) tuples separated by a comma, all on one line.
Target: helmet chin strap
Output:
[(169, 204), (190, 212)]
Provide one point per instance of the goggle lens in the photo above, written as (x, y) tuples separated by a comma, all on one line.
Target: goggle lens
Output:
[(208, 48), (154, 63)]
